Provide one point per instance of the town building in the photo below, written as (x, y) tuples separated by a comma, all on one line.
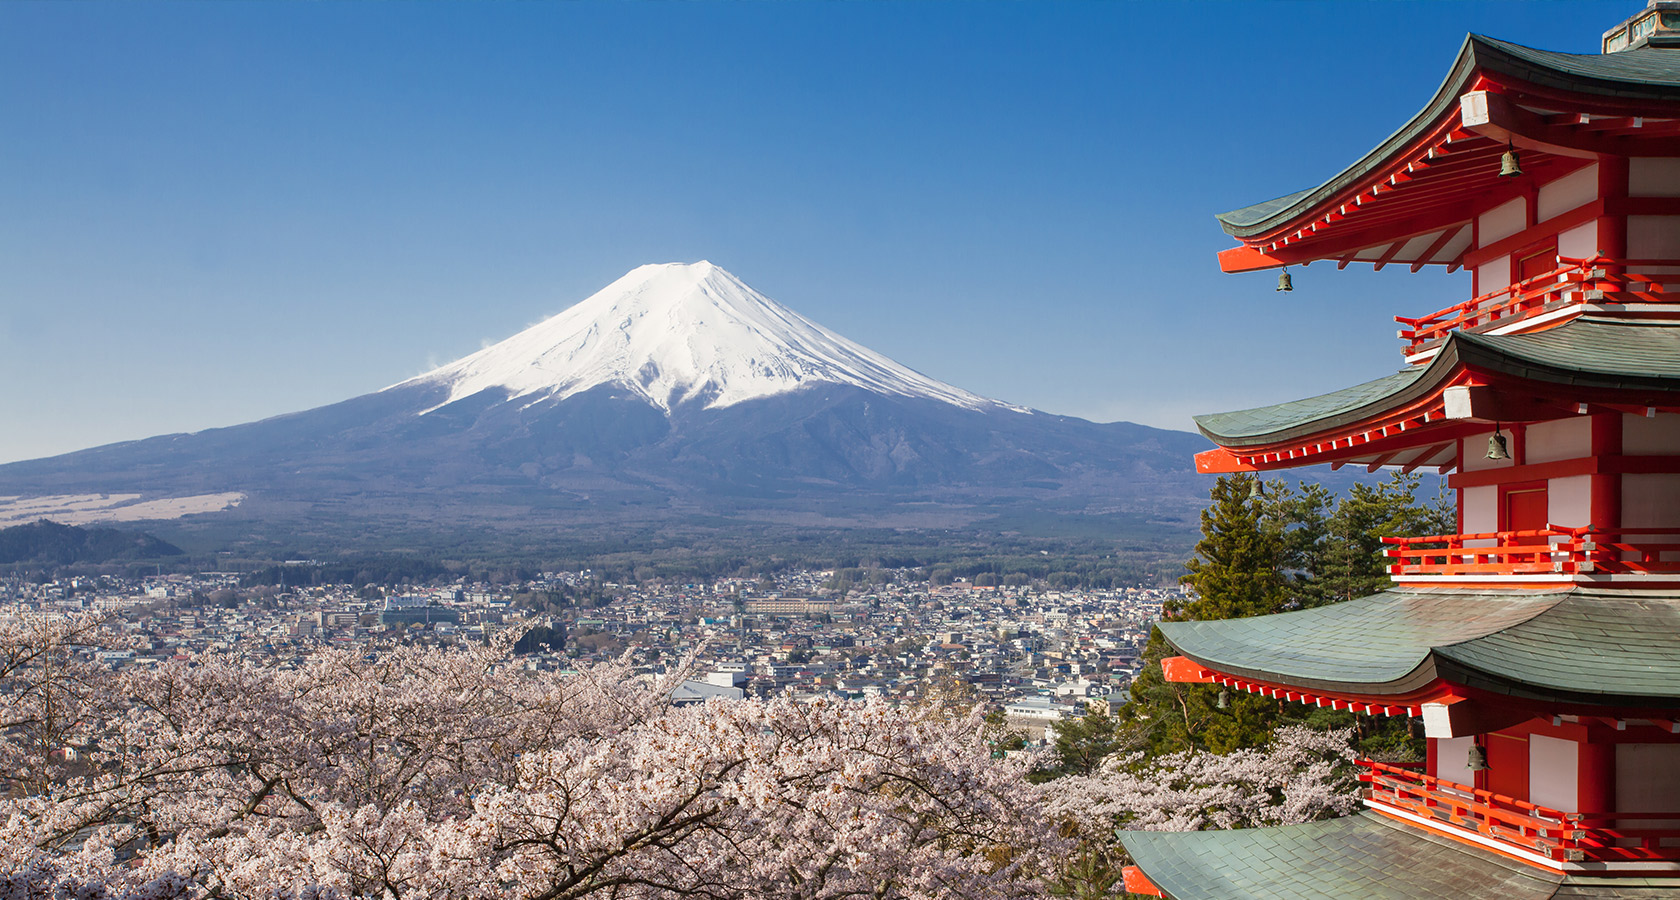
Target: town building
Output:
[(1539, 647)]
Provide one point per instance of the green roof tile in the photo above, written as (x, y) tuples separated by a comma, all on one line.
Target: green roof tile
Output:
[(1647, 74), (1594, 352), (1581, 645), (1361, 856)]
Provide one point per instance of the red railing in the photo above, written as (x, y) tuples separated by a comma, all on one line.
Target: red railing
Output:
[(1573, 282), (1547, 551), (1554, 834)]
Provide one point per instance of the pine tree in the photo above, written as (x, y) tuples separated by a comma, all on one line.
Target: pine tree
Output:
[(1238, 569)]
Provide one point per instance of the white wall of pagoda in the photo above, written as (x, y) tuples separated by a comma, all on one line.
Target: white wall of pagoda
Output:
[(1646, 500), (1554, 770), (1649, 237), (1647, 780)]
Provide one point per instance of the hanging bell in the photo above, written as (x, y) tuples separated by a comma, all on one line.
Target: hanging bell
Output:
[(1508, 165), (1497, 446), (1284, 283), (1476, 760), (1224, 701), (1256, 489)]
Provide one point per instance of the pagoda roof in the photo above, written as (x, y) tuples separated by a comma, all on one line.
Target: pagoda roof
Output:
[(1589, 352), (1648, 73), (1577, 646), (1362, 855), (1434, 153)]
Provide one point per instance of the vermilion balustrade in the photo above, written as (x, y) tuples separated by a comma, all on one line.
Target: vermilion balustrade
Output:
[(1547, 551), (1574, 282), (1554, 834)]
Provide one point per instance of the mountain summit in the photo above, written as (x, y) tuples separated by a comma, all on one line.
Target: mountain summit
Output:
[(675, 396), (679, 334)]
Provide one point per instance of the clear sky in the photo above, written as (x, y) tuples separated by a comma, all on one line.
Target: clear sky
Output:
[(217, 212)]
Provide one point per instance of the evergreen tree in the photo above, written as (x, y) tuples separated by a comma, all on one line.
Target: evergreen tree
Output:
[(1238, 568), (1350, 562)]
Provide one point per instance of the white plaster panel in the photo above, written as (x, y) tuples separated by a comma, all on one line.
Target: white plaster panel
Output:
[(1481, 509), (1653, 237), (1452, 760), (1493, 275), (1554, 773), (1564, 194), (1502, 221), (1658, 435), (1647, 778), (1569, 501), (1580, 242), (1653, 177), (1650, 501), (1558, 439)]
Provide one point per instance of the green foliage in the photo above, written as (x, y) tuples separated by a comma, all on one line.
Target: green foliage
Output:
[(1081, 744), (1238, 567), (1167, 717), (1266, 549), (1335, 548)]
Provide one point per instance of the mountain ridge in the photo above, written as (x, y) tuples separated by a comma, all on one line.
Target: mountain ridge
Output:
[(749, 413)]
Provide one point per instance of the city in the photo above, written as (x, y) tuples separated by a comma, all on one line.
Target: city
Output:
[(1038, 655)]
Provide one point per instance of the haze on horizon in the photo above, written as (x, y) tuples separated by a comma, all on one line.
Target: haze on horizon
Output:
[(219, 213)]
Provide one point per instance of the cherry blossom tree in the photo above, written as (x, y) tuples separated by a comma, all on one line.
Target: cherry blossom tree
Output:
[(425, 773)]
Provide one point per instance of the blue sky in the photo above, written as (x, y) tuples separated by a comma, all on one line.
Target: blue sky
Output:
[(213, 213)]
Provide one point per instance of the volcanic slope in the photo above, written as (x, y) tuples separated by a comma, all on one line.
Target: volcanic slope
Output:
[(676, 391)]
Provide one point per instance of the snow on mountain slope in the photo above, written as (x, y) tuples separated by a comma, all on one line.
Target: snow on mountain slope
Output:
[(679, 333)]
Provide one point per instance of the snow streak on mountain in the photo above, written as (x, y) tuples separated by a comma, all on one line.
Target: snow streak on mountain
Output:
[(677, 334)]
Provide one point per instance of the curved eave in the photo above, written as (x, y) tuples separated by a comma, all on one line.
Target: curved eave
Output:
[(1596, 354), (1379, 645), (1601, 649), (1647, 75), (1314, 416)]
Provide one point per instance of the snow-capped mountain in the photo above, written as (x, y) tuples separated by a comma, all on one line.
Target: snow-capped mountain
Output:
[(677, 334), (675, 395)]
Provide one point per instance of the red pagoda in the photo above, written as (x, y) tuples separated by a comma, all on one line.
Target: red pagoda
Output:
[(1540, 645)]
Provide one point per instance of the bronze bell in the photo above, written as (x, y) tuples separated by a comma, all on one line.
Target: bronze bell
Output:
[(1476, 760), (1497, 447), (1284, 284), (1224, 701), (1508, 165)]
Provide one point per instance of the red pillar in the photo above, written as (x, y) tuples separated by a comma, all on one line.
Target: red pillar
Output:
[(1606, 504), (1612, 226)]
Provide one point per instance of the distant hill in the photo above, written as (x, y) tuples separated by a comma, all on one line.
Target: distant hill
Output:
[(50, 543)]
